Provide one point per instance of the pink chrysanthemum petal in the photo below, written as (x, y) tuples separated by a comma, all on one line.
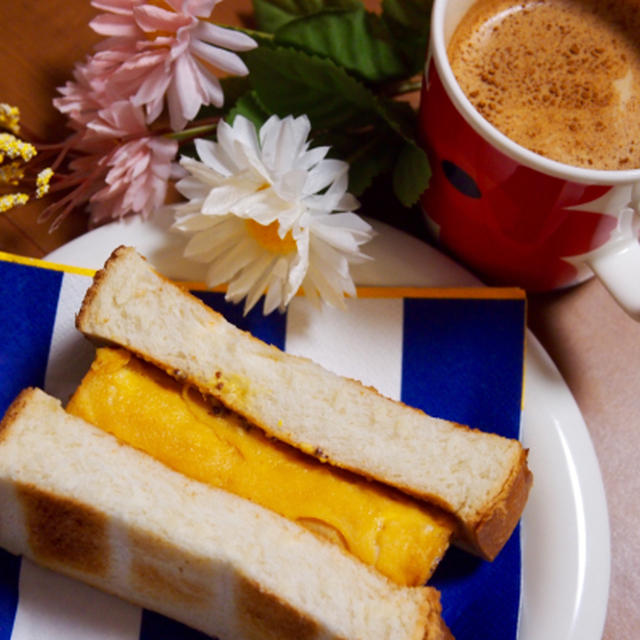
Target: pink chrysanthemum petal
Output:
[(120, 7), (119, 26), (153, 87), (151, 18), (221, 58), (184, 93), (223, 37), (159, 54)]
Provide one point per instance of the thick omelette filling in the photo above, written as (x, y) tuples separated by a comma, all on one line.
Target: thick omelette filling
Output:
[(144, 407)]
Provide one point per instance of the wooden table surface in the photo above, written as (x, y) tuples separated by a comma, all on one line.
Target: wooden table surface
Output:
[(594, 344)]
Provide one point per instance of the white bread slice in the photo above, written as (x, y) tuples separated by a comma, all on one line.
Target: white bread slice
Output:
[(480, 478), (76, 500)]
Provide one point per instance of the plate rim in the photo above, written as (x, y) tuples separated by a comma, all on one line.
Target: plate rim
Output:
[(403, 260)]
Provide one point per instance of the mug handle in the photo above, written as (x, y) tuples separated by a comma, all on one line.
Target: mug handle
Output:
[(617, 262)]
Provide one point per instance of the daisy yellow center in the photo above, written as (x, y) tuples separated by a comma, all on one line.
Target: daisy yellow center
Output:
[(267, 237)]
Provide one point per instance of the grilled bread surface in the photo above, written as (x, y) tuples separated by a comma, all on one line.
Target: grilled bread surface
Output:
[(481, 478), (77, 500)]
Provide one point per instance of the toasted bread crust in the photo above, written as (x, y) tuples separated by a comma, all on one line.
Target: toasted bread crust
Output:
[(64, 532), (93, 289), (226, 566), (496, 525), (14, 410), (252, 378)]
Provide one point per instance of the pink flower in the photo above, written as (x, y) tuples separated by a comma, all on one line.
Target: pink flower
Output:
[(136, 181), (164, 51), (137, 169), (81, 99), (118, 167)]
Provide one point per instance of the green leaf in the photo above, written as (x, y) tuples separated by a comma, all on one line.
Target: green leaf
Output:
[(251, 108), (369, 154), (412, 14), (288, 81), (270, 15), (357, 40), (370, 161), (234, 87), (409, 22), (398, 115), (411, 174)]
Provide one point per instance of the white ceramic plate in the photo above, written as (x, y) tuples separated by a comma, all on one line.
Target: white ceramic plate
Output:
[(565, 529)]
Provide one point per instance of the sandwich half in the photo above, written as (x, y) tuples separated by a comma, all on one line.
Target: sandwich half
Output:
[(141, 405), (79, 501), (481, 479)]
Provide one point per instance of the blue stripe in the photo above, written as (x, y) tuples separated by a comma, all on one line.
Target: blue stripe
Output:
[(26, 326), (158, 627), (481, 599), (270, 329), (463, 361), (9, 574)]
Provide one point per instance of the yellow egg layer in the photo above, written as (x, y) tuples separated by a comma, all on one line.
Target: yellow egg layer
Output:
[(144, 407)]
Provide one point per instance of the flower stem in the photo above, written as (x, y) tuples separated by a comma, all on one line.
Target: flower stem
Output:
[(192, 132)]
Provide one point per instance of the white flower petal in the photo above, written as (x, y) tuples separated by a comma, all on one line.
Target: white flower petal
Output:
[(259, 287), (275, 180), (221, 199), (291, 185), (323, 174), (262, 206), (276, 284), (214, 157), (348, 202), (242, 284), (240, 142), (194, 222), (312, 156), (297, 269), (233, 260), (203, 173), (209, 243), (191, 188), (331, 294), (350, 221), (283, 141)]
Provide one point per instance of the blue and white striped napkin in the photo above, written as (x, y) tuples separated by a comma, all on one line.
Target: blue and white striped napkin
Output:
[(455, 353)]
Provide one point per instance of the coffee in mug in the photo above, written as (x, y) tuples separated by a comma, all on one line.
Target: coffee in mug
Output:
[(538, 184), (559, 77)]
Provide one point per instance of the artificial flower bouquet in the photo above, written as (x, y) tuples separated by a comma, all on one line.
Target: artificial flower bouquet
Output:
[(270, 132)]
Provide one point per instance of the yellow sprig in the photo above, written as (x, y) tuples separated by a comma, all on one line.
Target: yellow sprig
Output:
[(42, 182), (11, 173), (11, 200), (10, 118), (13, 147)]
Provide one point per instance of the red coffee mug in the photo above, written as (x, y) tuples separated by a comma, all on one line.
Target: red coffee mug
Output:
[(511, 215)]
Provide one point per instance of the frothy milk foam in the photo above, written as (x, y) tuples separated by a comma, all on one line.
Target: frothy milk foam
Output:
[(559, 77)]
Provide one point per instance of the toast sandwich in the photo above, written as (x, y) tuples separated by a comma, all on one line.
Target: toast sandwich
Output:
[(481, 479), (79, 501)]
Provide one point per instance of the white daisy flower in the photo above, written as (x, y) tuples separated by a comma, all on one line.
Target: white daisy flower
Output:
[(270, 215)]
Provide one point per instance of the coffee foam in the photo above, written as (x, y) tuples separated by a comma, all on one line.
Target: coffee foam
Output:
[(559, 77)]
